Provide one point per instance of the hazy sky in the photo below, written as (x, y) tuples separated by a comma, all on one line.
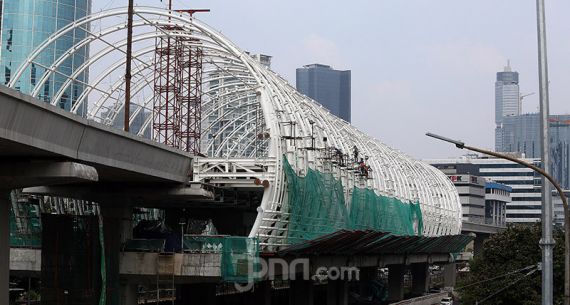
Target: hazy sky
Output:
[(417, 65)]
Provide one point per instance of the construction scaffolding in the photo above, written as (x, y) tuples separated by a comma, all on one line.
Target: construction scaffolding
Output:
[(166, 110), (190, 94), (177, 105)]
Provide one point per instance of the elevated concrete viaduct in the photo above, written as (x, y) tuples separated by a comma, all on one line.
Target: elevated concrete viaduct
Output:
[(275, 168), (42, 145)]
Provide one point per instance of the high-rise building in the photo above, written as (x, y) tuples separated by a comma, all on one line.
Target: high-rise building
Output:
[(25, 24), (329, 87), (522, 134), (507, 99), (516, 132)]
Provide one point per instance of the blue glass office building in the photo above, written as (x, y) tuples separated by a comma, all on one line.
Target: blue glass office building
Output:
[(329, 87), (25, 24)]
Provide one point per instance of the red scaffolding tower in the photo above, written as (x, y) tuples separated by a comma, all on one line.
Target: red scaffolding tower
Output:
[(178, 88), (166, 121), (190, 96)]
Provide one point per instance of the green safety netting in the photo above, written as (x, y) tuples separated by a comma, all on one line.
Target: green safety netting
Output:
[(240, 255), (240, 259), (26, 231), (317, 207), (369, 211), (316, 204)]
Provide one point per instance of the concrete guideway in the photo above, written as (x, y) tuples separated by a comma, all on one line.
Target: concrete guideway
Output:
[(255, 124), (32, 129)]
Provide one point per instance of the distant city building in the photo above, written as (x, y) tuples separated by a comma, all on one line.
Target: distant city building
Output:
[(516, 132), (497, 196), (329, 87), (25, 24), (138, 117), (526, 203), (471, 191), (507, 100), (522, 134), (507, 94), (482, 202)]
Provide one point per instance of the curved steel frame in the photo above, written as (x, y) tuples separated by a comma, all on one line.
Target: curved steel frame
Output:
[(252, 118)]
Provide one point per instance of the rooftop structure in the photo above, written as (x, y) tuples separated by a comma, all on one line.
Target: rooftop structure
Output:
[(261, 136), (329, 87)]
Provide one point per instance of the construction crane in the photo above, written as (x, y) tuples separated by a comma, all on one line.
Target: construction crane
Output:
[(521, 97)]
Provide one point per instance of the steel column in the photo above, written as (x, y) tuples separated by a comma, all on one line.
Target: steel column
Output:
[(547, 242), (4, 247)]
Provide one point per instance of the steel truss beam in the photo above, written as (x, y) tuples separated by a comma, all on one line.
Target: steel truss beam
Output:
[(251, 119)]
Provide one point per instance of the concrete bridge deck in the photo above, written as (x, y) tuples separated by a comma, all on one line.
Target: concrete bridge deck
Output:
[(34, 130)]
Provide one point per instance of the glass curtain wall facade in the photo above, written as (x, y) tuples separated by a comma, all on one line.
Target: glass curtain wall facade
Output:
[(507, 101), (506, 95), (25, 25), (522, 134), (329, 87)]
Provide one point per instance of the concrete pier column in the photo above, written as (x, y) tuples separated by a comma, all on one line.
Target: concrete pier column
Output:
[(366, 276), (449, 274), (478, 243), (118, 227), (337, 292), (263, 293), (396, 282), (196, 294), (301, 292), (4, 247), (124, 220), (420, 278), (129, 294)]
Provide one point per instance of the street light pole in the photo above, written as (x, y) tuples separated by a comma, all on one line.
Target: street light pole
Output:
[(128, 75), (547, 242), (550, 179)]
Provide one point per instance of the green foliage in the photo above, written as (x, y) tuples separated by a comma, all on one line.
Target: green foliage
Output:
[(515, 248)]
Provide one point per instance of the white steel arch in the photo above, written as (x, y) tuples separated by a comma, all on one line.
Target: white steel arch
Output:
[(251, 118)]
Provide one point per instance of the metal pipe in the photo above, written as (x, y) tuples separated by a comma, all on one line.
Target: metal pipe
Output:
[(547, 242), (128, 65)]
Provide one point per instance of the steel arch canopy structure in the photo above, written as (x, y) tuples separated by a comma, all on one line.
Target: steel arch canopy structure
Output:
[(253, 122)]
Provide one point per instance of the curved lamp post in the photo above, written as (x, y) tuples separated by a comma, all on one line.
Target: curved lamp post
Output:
[(461, 145)]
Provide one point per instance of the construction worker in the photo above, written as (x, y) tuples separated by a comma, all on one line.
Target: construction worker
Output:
[(355, 152), (363, 168)]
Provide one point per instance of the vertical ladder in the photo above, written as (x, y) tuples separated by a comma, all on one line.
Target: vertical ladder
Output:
[(165, 278)]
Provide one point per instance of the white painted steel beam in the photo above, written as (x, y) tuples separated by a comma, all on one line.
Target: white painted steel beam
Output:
[(251, 120)]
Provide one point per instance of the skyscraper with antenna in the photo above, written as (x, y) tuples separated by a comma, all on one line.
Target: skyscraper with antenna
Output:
[(507, 101), (506, 94)]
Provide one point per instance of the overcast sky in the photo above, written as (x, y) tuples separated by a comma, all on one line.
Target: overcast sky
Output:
[(417, 65)]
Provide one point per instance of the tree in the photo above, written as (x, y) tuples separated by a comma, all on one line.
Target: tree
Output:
[(510, 250)]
